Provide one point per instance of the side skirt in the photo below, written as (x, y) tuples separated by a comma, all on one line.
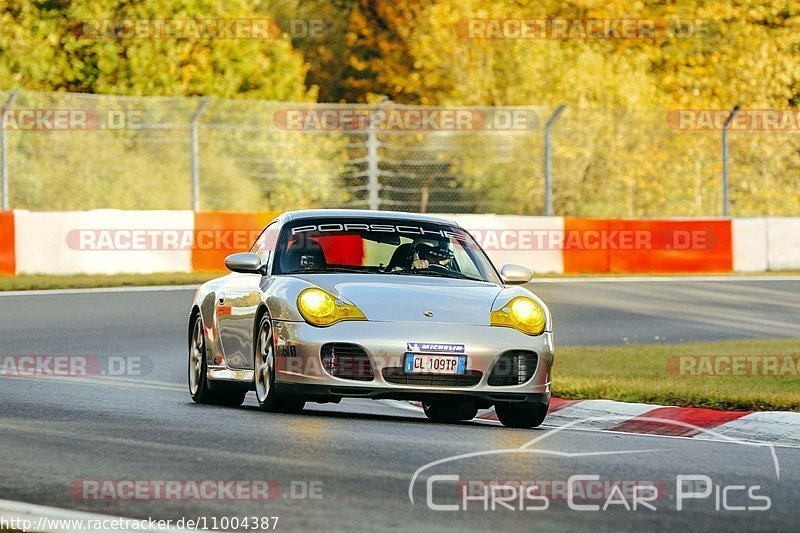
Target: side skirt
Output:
[(221, 374)]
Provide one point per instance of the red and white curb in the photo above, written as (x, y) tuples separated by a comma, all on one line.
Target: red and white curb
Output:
[(779, 428)]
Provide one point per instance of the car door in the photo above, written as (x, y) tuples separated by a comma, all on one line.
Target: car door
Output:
[(237, 303)]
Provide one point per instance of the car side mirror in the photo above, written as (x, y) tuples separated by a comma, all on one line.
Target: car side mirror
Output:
[(515, 274), (246, 263)]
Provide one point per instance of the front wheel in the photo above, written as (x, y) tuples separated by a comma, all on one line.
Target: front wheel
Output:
[(521, 415), (264, 373), (198, 373)]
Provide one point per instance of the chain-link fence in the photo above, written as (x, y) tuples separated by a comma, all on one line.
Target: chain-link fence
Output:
[(75, 151)]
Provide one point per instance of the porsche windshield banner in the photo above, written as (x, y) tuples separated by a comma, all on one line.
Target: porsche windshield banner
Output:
[(402, 229)]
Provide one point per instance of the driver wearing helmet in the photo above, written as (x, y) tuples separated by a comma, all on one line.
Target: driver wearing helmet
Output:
[(426, 255)]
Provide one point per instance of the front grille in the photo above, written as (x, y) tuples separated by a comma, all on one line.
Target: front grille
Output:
[(399, 376), (346, 361), (513, 368)]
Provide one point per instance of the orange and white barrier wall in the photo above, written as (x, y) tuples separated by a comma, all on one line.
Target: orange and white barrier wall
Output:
[(647, 246), (8, 263), (111, 241)]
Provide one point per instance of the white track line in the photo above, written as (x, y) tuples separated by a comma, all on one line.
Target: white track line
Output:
[(54, 520), (100, 290), (107, 382)]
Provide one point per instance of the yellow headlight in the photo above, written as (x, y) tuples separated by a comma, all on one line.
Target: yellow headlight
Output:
[(321, 308), (521, 313)]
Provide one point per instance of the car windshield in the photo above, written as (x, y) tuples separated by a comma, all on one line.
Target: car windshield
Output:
[(381, 246)]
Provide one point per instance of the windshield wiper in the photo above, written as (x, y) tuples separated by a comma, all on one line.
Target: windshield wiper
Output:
[(329, 269), (434, 273)]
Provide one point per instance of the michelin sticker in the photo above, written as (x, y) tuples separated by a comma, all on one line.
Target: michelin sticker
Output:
[(433, 347)]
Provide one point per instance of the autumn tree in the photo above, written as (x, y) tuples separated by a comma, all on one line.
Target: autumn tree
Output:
[(46, 46)]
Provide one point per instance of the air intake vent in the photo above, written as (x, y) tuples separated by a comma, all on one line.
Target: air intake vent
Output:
[(513, 368), (346, 361), (398, 376)]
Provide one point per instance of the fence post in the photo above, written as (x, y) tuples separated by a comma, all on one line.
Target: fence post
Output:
[(548, 161), (4, 150), (725, 185), (195, 166), (372, 169)]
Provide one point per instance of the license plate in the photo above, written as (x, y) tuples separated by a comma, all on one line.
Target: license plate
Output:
[(418, 363)]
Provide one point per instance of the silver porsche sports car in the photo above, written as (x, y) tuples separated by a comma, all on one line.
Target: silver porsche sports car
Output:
[(332, 304)]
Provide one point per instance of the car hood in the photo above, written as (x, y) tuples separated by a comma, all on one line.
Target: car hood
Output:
[(386, 297)]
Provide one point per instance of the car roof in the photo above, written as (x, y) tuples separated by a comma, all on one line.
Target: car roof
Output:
[(364, 213)]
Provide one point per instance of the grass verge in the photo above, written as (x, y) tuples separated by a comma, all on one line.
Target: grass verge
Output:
[(651, 374), (82, 281), (669, 275)]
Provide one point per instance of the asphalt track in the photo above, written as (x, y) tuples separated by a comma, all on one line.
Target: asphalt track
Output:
[(364, 454)]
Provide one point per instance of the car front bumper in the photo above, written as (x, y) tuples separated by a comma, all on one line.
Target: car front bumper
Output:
[(299, 369)]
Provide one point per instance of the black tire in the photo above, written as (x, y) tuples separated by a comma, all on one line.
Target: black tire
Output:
[(521, 415), (199, 388), (444, 411), (264, 374)]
